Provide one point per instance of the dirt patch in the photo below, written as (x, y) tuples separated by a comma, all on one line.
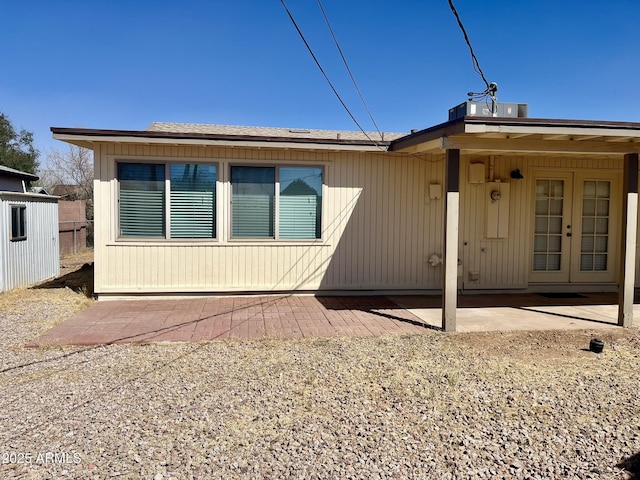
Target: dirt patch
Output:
[(73, 262), (544, 344), (76, 273)]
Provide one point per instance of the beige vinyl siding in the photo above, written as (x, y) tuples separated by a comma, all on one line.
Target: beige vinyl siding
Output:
[(500, 263), (379, 228), (505, 263)]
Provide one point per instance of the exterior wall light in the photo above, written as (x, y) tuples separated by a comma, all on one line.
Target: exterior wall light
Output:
[(517, 174)]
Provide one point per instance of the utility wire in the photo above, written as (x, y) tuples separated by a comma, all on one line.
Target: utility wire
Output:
[(344, 60), (474, 59), (327, 77)]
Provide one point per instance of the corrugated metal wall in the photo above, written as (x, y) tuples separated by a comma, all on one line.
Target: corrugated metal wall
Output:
[(37, 258)]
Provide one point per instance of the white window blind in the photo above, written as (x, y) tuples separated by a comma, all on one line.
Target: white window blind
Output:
[(193, 201), (297, 192), (145, 209), (142, 199)]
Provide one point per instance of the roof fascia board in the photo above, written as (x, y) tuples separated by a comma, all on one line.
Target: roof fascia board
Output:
[(554, 122), (538, 146), (551, 130), (426, 136), (21, 175), (428, 146), (313, 145), (7, 194)]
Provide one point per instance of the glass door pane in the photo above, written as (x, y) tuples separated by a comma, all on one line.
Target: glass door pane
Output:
[(594, 243), (547, 242)]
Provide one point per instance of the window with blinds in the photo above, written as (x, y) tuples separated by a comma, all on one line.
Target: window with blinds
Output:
[(147, 211), (263, 197), (253, 202), (193, 200), (300, 202), (142, 199)]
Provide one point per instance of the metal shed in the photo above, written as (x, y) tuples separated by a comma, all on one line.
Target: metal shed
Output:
[(29, 238)]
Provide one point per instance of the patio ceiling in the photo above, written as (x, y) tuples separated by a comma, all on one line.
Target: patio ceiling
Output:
[(524, 135)]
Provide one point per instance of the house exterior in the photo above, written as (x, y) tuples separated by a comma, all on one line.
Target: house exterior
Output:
[(28, 232), (476, 203)]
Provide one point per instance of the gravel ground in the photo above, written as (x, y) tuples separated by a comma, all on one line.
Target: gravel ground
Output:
[(445, 406)]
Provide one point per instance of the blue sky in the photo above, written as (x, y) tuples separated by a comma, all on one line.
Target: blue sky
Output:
[(124, 64)]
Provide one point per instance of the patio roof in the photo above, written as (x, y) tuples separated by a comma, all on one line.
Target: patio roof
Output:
[(524, 135)]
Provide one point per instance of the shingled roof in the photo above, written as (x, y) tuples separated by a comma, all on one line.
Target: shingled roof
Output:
[(245, 131)]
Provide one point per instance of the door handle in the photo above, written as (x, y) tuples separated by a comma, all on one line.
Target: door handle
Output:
[(568, 234)]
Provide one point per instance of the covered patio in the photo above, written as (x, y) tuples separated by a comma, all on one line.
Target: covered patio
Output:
[(528, 138)]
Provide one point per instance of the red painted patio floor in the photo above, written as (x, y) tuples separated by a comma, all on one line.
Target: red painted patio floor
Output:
[(241, 318)]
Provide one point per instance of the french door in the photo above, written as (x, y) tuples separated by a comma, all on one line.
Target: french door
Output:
[(575, 227)]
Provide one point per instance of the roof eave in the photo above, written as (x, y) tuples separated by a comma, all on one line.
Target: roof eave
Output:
[(556, 122), (21, 175), (524, 134), (427, 136), (88, 136)]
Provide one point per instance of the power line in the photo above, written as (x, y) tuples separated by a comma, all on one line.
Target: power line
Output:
[(327, 77), (348, 69), (474, 59)]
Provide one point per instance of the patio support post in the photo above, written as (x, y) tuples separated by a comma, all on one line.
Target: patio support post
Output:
[(450, 256), (629, 234)]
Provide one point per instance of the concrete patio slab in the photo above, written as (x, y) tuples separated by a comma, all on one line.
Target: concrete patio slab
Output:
[(481, 313), (249, 318)]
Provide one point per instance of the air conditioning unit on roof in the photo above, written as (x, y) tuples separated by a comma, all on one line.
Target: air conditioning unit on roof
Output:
[(483, 109)]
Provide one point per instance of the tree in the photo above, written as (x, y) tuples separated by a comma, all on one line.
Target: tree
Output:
[(16, 148), (73, 168)]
